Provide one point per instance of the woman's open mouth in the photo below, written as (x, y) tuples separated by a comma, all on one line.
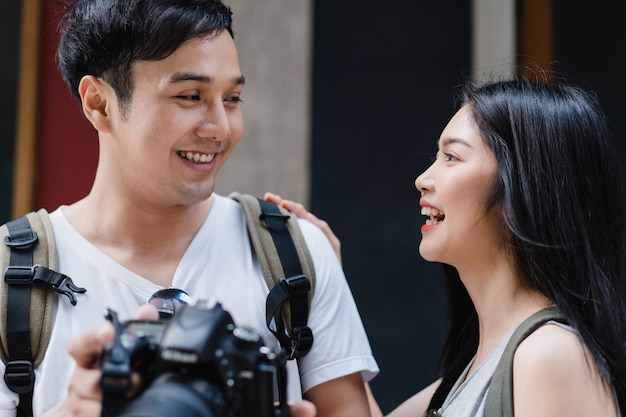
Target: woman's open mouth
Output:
[(435, 215)]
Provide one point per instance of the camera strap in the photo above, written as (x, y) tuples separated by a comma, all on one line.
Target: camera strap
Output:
[(116, 374)]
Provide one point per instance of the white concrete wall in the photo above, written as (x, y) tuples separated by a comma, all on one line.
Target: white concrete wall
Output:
[(493, 39), (274, 42)]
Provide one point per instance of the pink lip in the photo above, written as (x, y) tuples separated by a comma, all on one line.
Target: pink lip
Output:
[(426, 227), (424, 203)]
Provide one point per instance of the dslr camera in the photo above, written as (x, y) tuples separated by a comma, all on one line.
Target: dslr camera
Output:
[(197, 363)]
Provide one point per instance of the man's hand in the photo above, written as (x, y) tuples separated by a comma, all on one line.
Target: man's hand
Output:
[(84, 396)]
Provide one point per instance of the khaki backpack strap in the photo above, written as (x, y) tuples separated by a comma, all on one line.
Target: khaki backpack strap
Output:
[(28, 256), (42, 297), (288, 270), (499, 402)]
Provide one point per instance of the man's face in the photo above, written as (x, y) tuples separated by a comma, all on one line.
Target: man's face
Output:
[(181, 124)]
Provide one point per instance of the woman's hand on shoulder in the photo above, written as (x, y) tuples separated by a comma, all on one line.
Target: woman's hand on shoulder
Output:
[(301, 212), (555, 374)]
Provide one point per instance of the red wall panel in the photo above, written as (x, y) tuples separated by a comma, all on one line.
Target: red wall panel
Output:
[(68, 146)]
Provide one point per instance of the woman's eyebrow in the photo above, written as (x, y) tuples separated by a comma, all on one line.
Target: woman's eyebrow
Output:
[(450, 140)]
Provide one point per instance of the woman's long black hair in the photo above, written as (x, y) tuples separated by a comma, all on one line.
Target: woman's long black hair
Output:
[(558, 192)]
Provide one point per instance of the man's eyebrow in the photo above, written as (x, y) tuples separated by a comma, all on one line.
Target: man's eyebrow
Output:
[(178, 77)]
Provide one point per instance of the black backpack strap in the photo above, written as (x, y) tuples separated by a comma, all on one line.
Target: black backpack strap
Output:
[(288, 271), (19, 374), (26, 322), (293, 288), (499, 402)]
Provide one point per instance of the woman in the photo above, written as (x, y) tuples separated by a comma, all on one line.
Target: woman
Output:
[(524, 210)]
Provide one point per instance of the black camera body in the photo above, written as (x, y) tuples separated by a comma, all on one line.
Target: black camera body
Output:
[(197, 363)]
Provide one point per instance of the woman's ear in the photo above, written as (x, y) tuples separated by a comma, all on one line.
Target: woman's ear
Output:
[(96, 97)]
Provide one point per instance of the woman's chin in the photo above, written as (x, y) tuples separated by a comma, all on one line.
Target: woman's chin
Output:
[(427, 253)]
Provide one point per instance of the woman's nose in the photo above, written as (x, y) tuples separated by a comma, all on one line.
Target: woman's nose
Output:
[(424, 181)]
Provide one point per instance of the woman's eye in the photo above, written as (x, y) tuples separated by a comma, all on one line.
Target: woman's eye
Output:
[(234, 100), (450, 157)]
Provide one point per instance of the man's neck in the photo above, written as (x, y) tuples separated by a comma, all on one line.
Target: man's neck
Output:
[(149, 242)]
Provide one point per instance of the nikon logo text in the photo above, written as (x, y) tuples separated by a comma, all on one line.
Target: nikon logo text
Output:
[(178, 356)]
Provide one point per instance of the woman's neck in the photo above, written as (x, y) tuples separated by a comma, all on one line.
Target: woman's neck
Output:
[(502, 301)]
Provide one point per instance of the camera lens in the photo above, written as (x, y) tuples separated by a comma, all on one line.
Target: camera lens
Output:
[(174, 395)]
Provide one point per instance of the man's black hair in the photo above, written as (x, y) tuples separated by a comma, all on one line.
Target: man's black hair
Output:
[(104, 38)]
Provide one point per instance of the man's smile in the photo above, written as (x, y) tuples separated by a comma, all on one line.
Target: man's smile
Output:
[(196, 157)]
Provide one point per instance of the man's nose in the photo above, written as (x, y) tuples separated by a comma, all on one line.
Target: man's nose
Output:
[(215, 123)]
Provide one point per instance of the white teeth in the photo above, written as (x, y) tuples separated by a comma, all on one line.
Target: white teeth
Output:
[(197, 157), (436, 216), (431, 211)]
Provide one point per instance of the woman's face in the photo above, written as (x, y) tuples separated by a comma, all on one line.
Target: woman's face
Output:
[(454, 192)]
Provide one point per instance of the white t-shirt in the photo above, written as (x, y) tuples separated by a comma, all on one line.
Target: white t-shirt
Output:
[(219, 265)]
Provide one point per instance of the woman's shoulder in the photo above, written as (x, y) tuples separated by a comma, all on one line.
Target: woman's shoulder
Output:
[(551, 346), (555, 374)]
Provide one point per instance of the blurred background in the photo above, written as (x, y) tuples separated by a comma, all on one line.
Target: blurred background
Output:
[(343, 105)]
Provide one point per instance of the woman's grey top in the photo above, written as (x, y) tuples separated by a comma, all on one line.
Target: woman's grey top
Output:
[(468, 395)]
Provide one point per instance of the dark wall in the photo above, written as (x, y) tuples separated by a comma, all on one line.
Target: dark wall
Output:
[(9, 33), (383, 77), (590, 48)]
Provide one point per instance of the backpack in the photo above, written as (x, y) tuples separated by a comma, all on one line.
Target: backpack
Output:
[(29, 260), (499, 401)]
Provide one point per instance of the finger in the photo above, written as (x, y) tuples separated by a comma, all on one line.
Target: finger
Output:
[(302, 409), (272, 198), (302, 213), (147, 312), (86, 347), (85, 385), (75, 407), (296, 208)]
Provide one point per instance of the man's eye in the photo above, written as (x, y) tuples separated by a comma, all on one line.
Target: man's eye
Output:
[(189, 98), (234, 99)]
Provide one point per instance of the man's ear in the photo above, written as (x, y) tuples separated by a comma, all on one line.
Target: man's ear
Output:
[(97, 97)]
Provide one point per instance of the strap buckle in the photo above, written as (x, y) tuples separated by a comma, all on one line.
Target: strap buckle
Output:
[(297, 285), (19, 376), (301, 341), (278, 215), (37, 274), (21, 242), (20, 274), (60, 283)]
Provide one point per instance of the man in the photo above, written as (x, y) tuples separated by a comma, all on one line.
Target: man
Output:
[(160, 82)]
